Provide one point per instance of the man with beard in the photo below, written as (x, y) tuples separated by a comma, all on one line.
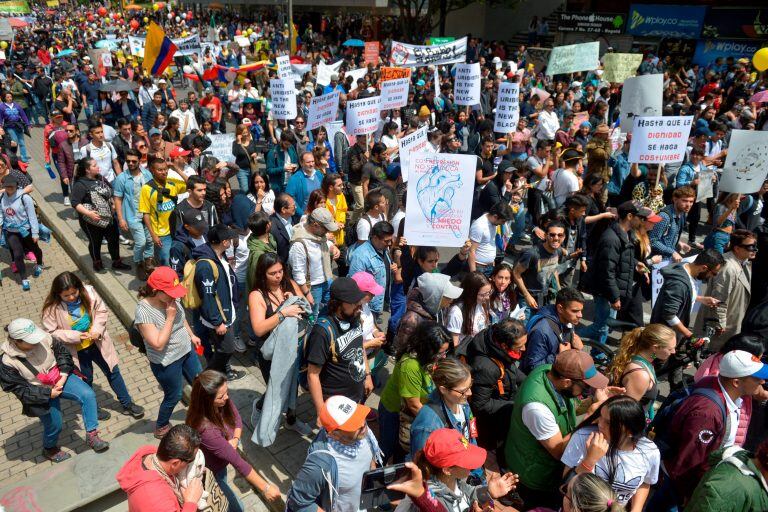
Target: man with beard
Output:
[(543, 418), (336, 360)]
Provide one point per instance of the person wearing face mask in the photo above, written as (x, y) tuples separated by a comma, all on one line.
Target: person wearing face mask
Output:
[(344, 449)]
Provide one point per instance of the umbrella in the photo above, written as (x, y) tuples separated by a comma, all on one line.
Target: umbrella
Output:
[(17, 23), (117, 85), (64, 53), (760, 97), (353, 42)]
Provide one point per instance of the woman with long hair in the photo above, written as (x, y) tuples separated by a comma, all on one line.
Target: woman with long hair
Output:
[(588, 493), (632, 367), (409, 385), (611, 443), (503, 302), (76, 315), (213, 415), (470, 313), (723, 221), (246, 155), (641, 287), (315, 200), (320, 140), (219, 194)]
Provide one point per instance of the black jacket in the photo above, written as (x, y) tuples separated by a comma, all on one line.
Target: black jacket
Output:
[(675, 297), (614, 264), (281, 237), (35, 400)]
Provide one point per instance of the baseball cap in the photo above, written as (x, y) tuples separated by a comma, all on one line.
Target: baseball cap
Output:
[(341, 413), (571, 154), (56, 113), (575, 84), (439, 282), (367, 283), (648, 215), (626, 208), (221, 232), (703, 130), (323, 216), (165, 280), (740, 363), (10, 180), (154, 131), (208, 90), (162, 81), (194, 219), (446, 447), (578, 365), (346, 290), (334, 77), (178, 151), (25, 330)]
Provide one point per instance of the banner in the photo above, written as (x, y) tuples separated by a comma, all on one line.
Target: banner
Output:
[(283, 98), (466, 88), (186, 45), (590, 23), (412, 143), (659, 140), (363, 115), (507, 108), (404, 54), (332, 129), (6, 31), (747, 162), (371, 53), (439, 204), (284, 70), (394, 93), (221, 146), (15, 7), (709, 50), (617, 67), (441, 40), (322, 110), (640, 96), (324, 72), (653, 20), (394, 73), (735, 23), (574, 57)]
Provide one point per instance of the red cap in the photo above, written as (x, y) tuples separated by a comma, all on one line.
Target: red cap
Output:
[(446, 447), (178, 151), (165, 280)]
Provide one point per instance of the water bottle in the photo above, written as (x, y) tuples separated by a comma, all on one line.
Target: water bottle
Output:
[(50, 171)]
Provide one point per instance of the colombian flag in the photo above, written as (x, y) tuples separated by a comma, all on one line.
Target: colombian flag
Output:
[(158, 50)]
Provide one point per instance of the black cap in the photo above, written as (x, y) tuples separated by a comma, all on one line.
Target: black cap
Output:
[(626, 208), (506, 166), (10, 180), (221, 232), (346, 290), (571, 154), (195, 220), (55, 113)]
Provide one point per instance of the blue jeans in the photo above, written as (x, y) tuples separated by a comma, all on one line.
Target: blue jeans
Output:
[(143, 247), (91, 355), (17, 136), (598, 331), (717, 240), (171, 379), (77, 390), (389, 432), (243, 178), (235, 505), (518, 225), (665, 498), (163, 254), (321, 293)]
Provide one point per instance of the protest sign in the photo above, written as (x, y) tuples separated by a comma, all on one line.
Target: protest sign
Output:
[(659, 140), (284, 67), (404, 54), (394, 73), (617, 67), (411, 143), (439, 202), (322, 110), (242, 41), (657, 279), (541, 93), (371, 53), (221, 146), (641, 96), (394, 93), (136, 45), (747, 162), (332, 129), (363, 115), (578, 119), (507, 108), (466, 88), (573, 57), (186, 45), (283, 98), (356, 75), (705, 189), (538, 57), (324, 72), (106, 59)]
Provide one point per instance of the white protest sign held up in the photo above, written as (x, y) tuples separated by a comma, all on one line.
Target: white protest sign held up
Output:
[(322, 110), (411, 143), (363, 115), (356, 75), (573, 57), (284, 67), (394, 93), (659, 140), (657, 279), (466, 88), (283, 98), (641, 96), (747, 162), (507, 108), (404, 54), (439, 202), (221, 146), (324, 72)]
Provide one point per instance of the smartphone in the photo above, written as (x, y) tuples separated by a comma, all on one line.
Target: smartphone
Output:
[(374, 487)]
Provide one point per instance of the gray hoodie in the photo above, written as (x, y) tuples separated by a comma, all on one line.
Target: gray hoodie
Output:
[(432, 286), (17, 214)]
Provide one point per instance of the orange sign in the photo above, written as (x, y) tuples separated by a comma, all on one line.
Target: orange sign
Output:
[(371, 53), (394, 73)]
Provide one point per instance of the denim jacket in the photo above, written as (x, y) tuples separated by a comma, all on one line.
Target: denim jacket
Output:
[(366, 258), (122, 187), (666, 233), (620, 166)]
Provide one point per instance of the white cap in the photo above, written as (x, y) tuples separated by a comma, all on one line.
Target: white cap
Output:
[(496, 59), (162, 81), (576, 84), (740, 363), (451, 291), (25, 330)]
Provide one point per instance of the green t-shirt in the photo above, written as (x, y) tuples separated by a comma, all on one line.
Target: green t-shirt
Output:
[(408, 380)]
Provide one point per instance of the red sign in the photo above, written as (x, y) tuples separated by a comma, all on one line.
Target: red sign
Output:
[(371, 53), (394, 73)]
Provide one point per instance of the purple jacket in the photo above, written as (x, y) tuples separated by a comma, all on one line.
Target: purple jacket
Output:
[(217, 450), (12, 114)]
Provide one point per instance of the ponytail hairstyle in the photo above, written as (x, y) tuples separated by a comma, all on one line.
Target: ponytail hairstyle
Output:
[(449, 373), (590, 493), (634, 342)]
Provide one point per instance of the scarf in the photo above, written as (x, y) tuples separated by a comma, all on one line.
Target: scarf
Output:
[(80, 320), (300, 233), (172, 482)]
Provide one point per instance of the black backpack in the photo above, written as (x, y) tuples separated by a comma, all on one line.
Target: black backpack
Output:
[(136, 339)]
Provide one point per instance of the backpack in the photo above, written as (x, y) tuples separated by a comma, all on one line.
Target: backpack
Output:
[(659, 429), (192, 299), (350, 234), (136, 339), (325, 323)]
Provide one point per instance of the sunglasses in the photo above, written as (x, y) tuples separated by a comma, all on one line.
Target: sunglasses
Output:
[(131, 161), (750, 247)]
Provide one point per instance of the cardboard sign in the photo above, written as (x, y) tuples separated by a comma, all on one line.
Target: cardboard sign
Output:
[(284, 70), (106, 60), (573, 57), (659, 140), (322, 110), (394, 93), (363, 115), (617, 67), (221, 146), (412, 143), (371, 53), (747, 162), (404, 54), (283, 98), (394, 73), (507, 108), (466, 88), (641, 96), (324, 72)]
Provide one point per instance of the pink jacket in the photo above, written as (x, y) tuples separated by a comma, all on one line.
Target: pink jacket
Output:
[(711, 368), (146, 489), (56, 322)]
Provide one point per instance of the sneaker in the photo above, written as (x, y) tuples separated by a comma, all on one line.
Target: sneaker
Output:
[(299, 427), (233, 375), (55, 454), (25, 285), (67, 202), (161, 431), (103, 414), (30, 256), (125, 241), (134, 410), (96, 443), (38, 270), (119, 265)]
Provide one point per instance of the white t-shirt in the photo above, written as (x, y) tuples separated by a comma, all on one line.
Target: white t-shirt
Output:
[(633, 468), (396, 220), (484, 233), (454, 320), (297, 257), (540, 421), (564, 183), (364, 225), (104, 156)]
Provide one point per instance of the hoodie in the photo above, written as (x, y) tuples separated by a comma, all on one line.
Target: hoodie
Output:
[(211, 289), (675, 300), (545, 333), (147, 490), (257, 247), (423, 303), (17, 214)]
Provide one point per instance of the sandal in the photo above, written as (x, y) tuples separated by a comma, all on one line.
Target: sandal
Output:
[(55, 455)]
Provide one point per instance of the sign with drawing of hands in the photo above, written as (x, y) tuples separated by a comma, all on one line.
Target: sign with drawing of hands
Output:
[(747, 162)]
